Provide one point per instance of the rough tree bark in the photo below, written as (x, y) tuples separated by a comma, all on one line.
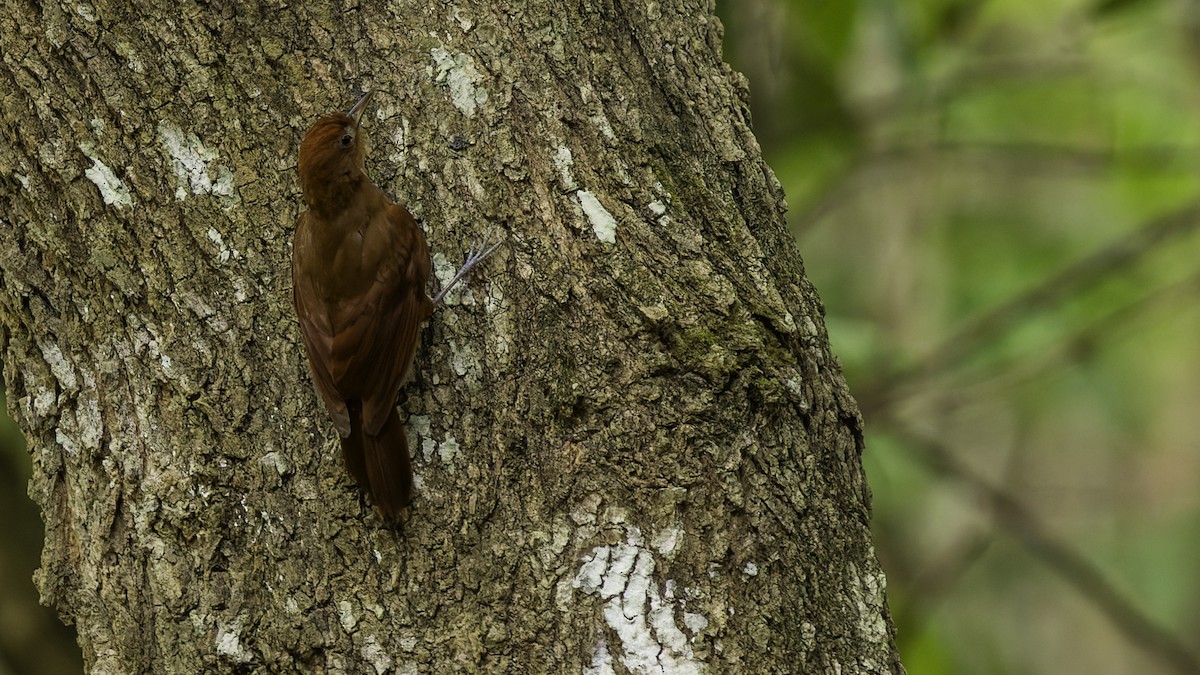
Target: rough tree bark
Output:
[(634, 448)]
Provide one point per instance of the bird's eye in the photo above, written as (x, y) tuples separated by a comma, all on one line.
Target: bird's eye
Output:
[(347, 139)]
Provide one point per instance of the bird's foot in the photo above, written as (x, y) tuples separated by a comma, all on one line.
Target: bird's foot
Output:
[(477, 254)]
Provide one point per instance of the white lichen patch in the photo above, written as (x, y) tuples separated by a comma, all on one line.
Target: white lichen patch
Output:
[(113, 190), (666, 540), (695, 622), (601, 661), (606, 129), (449, 450), (43, 401), (563, 161), (276, 461), (464, 22), (195, 166), (588, 96), (62, 369), (460, 75), (376, 655), (867, 590), (419, 424), (462, 359), (603, 222), (445, 270), (750, 569), (417, 429), (635, 610), (346, 615), (66, 443), (229, 642), (224, 253), (584, 512), (810, 328)]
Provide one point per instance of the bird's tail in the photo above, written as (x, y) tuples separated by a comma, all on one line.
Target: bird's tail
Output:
[(380, 463)]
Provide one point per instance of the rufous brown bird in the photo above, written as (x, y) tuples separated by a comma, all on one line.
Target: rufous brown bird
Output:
[(359, 269)]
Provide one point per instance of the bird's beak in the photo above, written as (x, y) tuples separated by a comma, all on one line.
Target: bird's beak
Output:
[(356, 111)]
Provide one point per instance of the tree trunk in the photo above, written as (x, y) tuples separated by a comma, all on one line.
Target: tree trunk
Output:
[(634, 448)]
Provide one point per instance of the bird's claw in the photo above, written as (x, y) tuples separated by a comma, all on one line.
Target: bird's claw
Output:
[(475, 255), (480, 249)]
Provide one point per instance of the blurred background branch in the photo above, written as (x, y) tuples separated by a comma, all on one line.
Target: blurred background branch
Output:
[(999, 203), (1072, 566), (1048, 294)]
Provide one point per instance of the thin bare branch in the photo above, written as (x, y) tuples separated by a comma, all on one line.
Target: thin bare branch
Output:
[(1059, 288), (1070, 564)]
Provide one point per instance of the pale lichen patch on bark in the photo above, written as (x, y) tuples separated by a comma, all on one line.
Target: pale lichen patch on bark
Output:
[(460, 75), (603, 222), (62, 370), (563, 161), (224, 253), (400, 139), (602, 663), (867, 590), (445, 270), (229, 642), (276, 461), (462, 358), (376, 655), (132, 61), (666, 540), (636, 611), (113, 190), (194, 166), (448, 451), (346, 615)]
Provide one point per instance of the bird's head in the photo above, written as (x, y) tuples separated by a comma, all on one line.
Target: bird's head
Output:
[(332, 152)]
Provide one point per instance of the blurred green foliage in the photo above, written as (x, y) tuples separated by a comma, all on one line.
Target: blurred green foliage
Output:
[(998, 203)]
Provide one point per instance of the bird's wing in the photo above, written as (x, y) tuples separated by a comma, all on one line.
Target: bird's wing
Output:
[(316, 329), (397, 305)]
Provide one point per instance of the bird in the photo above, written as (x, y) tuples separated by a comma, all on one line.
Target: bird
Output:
[(360, 265)]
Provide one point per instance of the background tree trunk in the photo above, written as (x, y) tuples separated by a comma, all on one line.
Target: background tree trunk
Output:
[(634, 448)]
